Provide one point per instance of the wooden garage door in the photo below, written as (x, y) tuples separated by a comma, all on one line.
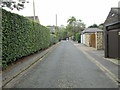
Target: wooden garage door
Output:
[(113, 43), (93, 40)]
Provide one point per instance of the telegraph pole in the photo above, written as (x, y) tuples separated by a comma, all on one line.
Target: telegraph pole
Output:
[(56, 21), (34, 9)]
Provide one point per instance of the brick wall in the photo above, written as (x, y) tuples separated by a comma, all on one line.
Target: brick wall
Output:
[(87, 39), (99, 40)]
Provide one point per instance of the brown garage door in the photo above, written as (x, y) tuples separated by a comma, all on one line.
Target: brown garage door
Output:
[(93, 40)]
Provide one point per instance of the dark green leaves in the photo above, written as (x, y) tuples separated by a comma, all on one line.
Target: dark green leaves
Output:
[(21, 37)]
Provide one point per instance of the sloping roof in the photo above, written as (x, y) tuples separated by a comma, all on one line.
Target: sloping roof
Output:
[(112, 17), (32, 18), (92, 30)]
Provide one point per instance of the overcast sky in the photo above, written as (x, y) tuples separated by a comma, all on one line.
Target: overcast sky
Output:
[(89, 11)]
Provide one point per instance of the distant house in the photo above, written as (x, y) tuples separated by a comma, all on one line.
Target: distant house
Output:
[(32, 18), (92, 37), (112, 33), (52, 28)]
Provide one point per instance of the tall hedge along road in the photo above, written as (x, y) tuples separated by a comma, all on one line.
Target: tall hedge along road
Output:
[(21, 37)]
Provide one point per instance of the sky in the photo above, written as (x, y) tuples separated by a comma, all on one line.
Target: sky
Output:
[(89, 11)]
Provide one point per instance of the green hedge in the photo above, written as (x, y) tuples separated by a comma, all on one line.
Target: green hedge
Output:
[(21, 37), (78, 37), (53, 39)]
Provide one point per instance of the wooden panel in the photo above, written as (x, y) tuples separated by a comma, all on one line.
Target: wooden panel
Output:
[(113, 43), (93, 40)]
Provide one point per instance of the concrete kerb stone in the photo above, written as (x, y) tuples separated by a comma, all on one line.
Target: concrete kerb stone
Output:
[(115, 61), (10, 78)]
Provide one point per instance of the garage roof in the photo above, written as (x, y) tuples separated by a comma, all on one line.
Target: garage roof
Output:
[(92, 30)]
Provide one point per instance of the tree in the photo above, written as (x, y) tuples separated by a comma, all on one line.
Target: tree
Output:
[(74, 26), (13, 4), (79, 26), (94, 26), (100, 26), (71, 20), (63, 34)]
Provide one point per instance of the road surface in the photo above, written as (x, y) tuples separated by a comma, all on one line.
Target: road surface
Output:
[(65, 67)]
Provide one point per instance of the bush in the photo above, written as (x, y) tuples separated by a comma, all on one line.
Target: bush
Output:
[(21, 37), (78, 37), (53, 39)]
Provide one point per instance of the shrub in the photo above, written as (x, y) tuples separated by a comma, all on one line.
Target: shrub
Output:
[(21, 37), (53, 39), (78, 37)]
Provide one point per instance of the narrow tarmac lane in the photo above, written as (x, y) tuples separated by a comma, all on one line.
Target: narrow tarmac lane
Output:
[(65, 67)]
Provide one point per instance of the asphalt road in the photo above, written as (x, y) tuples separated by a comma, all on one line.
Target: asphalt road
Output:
[(65, 67)]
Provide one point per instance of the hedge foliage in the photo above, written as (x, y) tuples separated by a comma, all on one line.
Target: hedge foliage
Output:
[(53, 39), (78, 37), (21, 37)]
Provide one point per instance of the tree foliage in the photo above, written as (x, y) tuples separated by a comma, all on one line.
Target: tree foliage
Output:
[(100, 26), (71, 20), (74, 26), (78, 37), (13, 4), (94, 26)]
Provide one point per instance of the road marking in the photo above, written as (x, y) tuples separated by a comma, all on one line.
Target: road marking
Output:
[(104, 69), (23, 71), (113, 61)]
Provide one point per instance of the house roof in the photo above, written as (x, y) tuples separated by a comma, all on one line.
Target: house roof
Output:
[(32, 18), (92, 30), (112, 17)]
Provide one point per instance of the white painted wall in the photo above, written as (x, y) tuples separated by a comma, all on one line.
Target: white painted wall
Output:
[(83, 38)]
